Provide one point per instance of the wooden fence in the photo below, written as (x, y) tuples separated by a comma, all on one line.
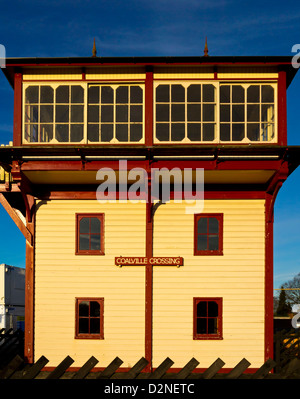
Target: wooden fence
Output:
[(12, 366), (16, 369)]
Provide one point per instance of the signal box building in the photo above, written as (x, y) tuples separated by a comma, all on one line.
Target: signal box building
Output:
[(148, 278)]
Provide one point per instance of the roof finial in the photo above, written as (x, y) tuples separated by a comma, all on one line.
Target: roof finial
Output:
[(206, 48), (94, 49)]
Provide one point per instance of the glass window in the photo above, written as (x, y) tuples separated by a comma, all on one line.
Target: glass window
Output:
[(89, 318), (115, 113), (185, 112), (208, 234), (54, 114), (207, 318), (90, 234)]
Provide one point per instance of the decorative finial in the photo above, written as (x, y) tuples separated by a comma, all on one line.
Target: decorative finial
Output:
[(94, 49), (206, 48)]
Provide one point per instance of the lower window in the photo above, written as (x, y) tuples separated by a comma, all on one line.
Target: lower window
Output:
[(208, 318), (89, 318)]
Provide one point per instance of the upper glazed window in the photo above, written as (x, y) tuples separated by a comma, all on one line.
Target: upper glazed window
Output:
[(54, 114)]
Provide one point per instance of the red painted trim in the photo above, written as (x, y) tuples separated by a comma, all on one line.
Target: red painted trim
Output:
[(17, 129), (282, 109)]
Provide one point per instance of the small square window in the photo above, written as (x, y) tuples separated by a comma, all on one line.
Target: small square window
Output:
[(89, 318), (208, 238), (90, 234), (207, 321)]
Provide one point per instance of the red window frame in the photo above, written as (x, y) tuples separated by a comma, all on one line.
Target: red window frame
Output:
[(219, 217), (89, 335), (99, 216), (218, 318)]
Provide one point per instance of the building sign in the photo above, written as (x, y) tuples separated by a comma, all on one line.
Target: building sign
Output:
[(154, 261)]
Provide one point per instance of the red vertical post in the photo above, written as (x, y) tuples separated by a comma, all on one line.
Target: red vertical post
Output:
[(282, 109), (17, 129)]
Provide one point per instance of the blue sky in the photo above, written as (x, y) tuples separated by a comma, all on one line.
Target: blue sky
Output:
[(67, 28)]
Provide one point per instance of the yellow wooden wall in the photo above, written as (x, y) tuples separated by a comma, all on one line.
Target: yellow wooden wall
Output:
[(61, 276), (237, 277)]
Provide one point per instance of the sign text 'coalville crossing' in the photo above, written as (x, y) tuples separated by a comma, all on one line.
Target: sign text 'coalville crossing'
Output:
[(143, 261)]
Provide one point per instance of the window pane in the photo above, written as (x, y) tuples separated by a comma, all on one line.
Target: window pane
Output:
[(93, 133), (95, 225), (202, 309), (253, 113), (162, 112), (225, 132), (136, 95), (84, 225), (163, 93), (46, 133), (201, 326), (122, 94), (225, 94), (94, 326), (177, 93), (95, 242), (213, 225), (162, 132), (208, 93), (122, 113), (77, 113), (267, 94), (267, 113), (46, 94), (238, 114), (208, 112), (238, 95), (77, 94), (83, 327), (212, 326), (136, 113), (194, 131), (136, 132), (62, 133), (194, 93), (213, 243), (208, 131), (253, 131), (253, 94), (107, 95), (177, 112), (94, 309), (194, 112), (202, 226), (32, 95), (106, 133), (62, 113), (84, 309), (84, 242), (177, 131), (107, 113), (212, 307), (76, 133), (32, 113), (93, 113), (238, 132), (93, 95), (46, 113), (122, 132), (225, 113), (202, 243), (62, 94)]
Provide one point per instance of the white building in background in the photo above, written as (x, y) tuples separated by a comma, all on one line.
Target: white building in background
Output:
[(12, 297)]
